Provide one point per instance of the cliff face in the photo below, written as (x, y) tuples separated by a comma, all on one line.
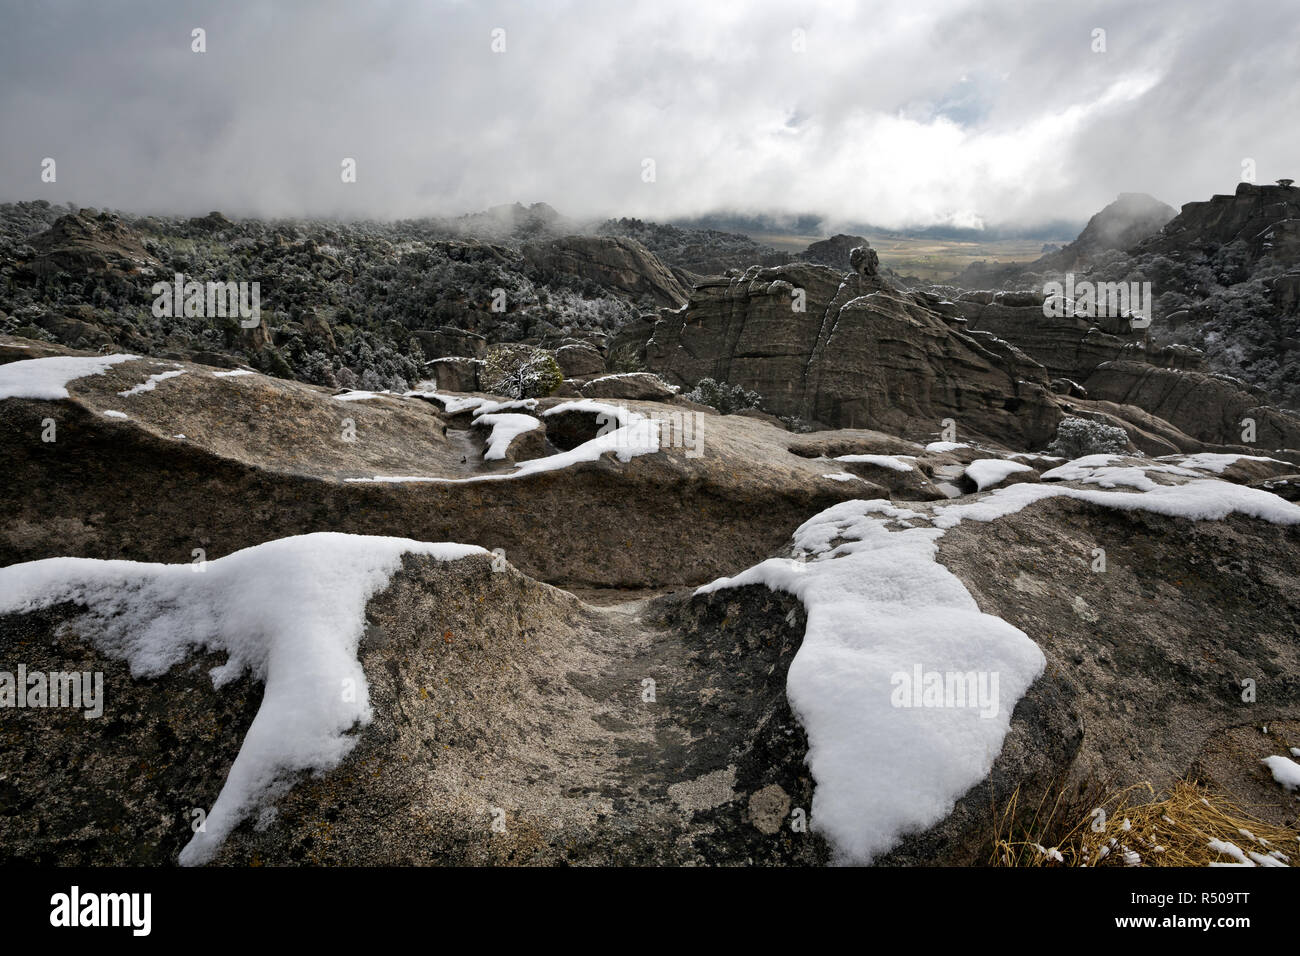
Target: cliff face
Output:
[(1067, 346), (1208, 407), (861, 353)]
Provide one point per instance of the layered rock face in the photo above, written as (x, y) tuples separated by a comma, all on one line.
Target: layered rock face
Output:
[(1067, 346), (865, 354), (862, 353), (1208, 407), (618, 263)]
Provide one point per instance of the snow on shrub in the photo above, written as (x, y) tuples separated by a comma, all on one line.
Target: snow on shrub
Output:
[(725, 398), (1076, 437)]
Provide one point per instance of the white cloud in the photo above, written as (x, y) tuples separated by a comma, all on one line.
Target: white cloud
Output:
[(947, 112)]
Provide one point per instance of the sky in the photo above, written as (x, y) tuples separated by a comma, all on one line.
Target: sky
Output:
[(919, 113)]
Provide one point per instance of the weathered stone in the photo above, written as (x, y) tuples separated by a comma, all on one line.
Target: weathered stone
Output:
[(456, 374), (575, 360), (629, 386)]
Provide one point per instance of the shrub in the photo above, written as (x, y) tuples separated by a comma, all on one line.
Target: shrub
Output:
[(1076, 437), (725, 398), (625, 359)]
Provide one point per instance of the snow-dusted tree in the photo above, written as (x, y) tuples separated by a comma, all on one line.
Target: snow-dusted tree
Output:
[(520, 371), (1076, 437)]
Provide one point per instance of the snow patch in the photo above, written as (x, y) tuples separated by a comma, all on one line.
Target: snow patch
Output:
[(987, 472), (1285, 771), (1210, 461), (635, 435), (48, 378), (358, 395), (149, 384), (892, 462), (879, 605), (506, 427)]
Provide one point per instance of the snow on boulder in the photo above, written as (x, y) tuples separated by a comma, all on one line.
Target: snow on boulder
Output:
[(149, 384), (626, 433), (1285, 771), (904, 687), (892, 462), (290, 612), (987, 472), (505, 428), (630, 387)]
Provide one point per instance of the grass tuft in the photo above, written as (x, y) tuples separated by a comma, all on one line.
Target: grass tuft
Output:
[(1189, 825)]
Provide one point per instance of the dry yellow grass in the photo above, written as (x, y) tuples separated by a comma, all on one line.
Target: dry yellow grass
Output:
[(1188, 826)]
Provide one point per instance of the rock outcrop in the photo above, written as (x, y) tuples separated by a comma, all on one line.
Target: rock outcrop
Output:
[(1207, 407), (237, 460), (860, 353), (1266, 218), (575, 360), (1068, 347), (629, 386), (83, 242), (513, 723), (833, 252), (617, 263)]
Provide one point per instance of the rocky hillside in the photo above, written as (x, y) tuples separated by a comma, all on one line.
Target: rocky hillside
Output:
[(619, 627), (1224, 274), (850, 350)]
